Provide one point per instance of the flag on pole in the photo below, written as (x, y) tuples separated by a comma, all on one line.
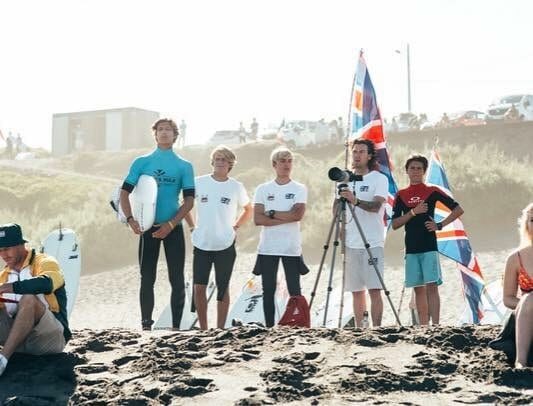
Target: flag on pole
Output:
[(453, 243), (365, 122)]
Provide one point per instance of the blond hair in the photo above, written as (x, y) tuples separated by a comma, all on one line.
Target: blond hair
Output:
[(526, 236), (227, 153), (280, 153)]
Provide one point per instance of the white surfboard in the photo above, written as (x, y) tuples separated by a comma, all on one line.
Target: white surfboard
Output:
[(332, 316), (63, 246), (143, 200), (248, 308), (189, 319)]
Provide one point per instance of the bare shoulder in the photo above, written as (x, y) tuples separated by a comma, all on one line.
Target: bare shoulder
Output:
[(512, 259)]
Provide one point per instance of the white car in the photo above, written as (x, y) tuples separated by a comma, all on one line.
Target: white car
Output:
[(225, 137), (522, 102), (303, 133)]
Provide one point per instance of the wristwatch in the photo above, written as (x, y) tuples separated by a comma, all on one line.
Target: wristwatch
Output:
[(271, 213), (439, 226)]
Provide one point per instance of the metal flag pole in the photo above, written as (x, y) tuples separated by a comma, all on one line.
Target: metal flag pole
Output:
[(349, 120)]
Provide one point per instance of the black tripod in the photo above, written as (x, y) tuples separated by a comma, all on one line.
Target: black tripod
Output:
[(338, 222)]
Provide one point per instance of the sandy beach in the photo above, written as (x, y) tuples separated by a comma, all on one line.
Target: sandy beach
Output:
[(110, 361), (115, 293), (254, 366)]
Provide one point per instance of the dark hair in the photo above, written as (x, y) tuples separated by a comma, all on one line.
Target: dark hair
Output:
[(373, 163), (417, 158), (169, 121)]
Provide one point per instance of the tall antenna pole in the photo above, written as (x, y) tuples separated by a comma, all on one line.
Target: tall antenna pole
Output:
[(408, 80)]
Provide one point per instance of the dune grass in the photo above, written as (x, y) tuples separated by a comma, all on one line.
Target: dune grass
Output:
[(487, 183)]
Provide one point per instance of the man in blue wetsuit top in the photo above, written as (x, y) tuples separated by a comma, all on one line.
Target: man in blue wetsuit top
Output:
[(173, 174)]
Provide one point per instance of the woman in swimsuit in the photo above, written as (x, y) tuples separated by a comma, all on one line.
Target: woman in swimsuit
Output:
[(518, 287)]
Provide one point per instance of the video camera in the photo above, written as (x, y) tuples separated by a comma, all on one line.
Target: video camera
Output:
[(339, 175)]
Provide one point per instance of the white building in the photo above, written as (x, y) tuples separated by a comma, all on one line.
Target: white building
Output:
[(102, 130)]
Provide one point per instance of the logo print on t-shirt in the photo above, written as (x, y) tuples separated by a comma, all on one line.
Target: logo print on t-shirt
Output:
[(270, 197), (289, 196), (414, 200), (204, 199), (363, 188), (159, 172), (225, 200)]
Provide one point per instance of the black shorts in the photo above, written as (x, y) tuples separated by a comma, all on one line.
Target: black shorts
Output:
[(223, 261)]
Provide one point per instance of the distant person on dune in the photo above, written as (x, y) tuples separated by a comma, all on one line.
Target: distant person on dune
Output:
[(19, 145), (242, 134), (340, 130), (218, 199), (518, 287), (173, 175), (414, 208), (279, 205), (512, 114), (33, 306), (9, 147), (254, 129), (182, 134)]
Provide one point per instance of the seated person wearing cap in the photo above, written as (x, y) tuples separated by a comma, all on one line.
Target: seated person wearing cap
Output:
[(33, 300)]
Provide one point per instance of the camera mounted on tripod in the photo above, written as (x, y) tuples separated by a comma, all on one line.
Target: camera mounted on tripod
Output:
[(340, 175)]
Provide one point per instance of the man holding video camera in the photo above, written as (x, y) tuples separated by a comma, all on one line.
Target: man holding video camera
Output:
[(366, 193)]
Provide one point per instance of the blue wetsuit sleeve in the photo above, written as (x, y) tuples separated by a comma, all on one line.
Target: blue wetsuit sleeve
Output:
[(187, 180), (133, 175)]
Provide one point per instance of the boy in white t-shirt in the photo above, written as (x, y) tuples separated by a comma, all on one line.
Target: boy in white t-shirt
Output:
[(279, 205), (218, 199)]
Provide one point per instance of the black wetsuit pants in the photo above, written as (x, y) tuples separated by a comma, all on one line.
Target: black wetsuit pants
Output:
[(149, 246), (269, 272)]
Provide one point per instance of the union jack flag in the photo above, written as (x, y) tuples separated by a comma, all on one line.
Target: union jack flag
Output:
[(453, 243), (365, 122)]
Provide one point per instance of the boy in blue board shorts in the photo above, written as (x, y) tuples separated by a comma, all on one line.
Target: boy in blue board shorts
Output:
[(173, 175), (414, 207)]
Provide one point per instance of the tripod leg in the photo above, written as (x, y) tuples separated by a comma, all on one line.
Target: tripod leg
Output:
[(332, 268), (415, 321), (401, 300), (343, 250), (324, 253)]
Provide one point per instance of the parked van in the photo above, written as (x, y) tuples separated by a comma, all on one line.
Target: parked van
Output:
[(522, 102), (225, 137)]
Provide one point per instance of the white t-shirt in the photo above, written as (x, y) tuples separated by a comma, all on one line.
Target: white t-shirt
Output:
[(284, 239), (373, 184), (217, 204)]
